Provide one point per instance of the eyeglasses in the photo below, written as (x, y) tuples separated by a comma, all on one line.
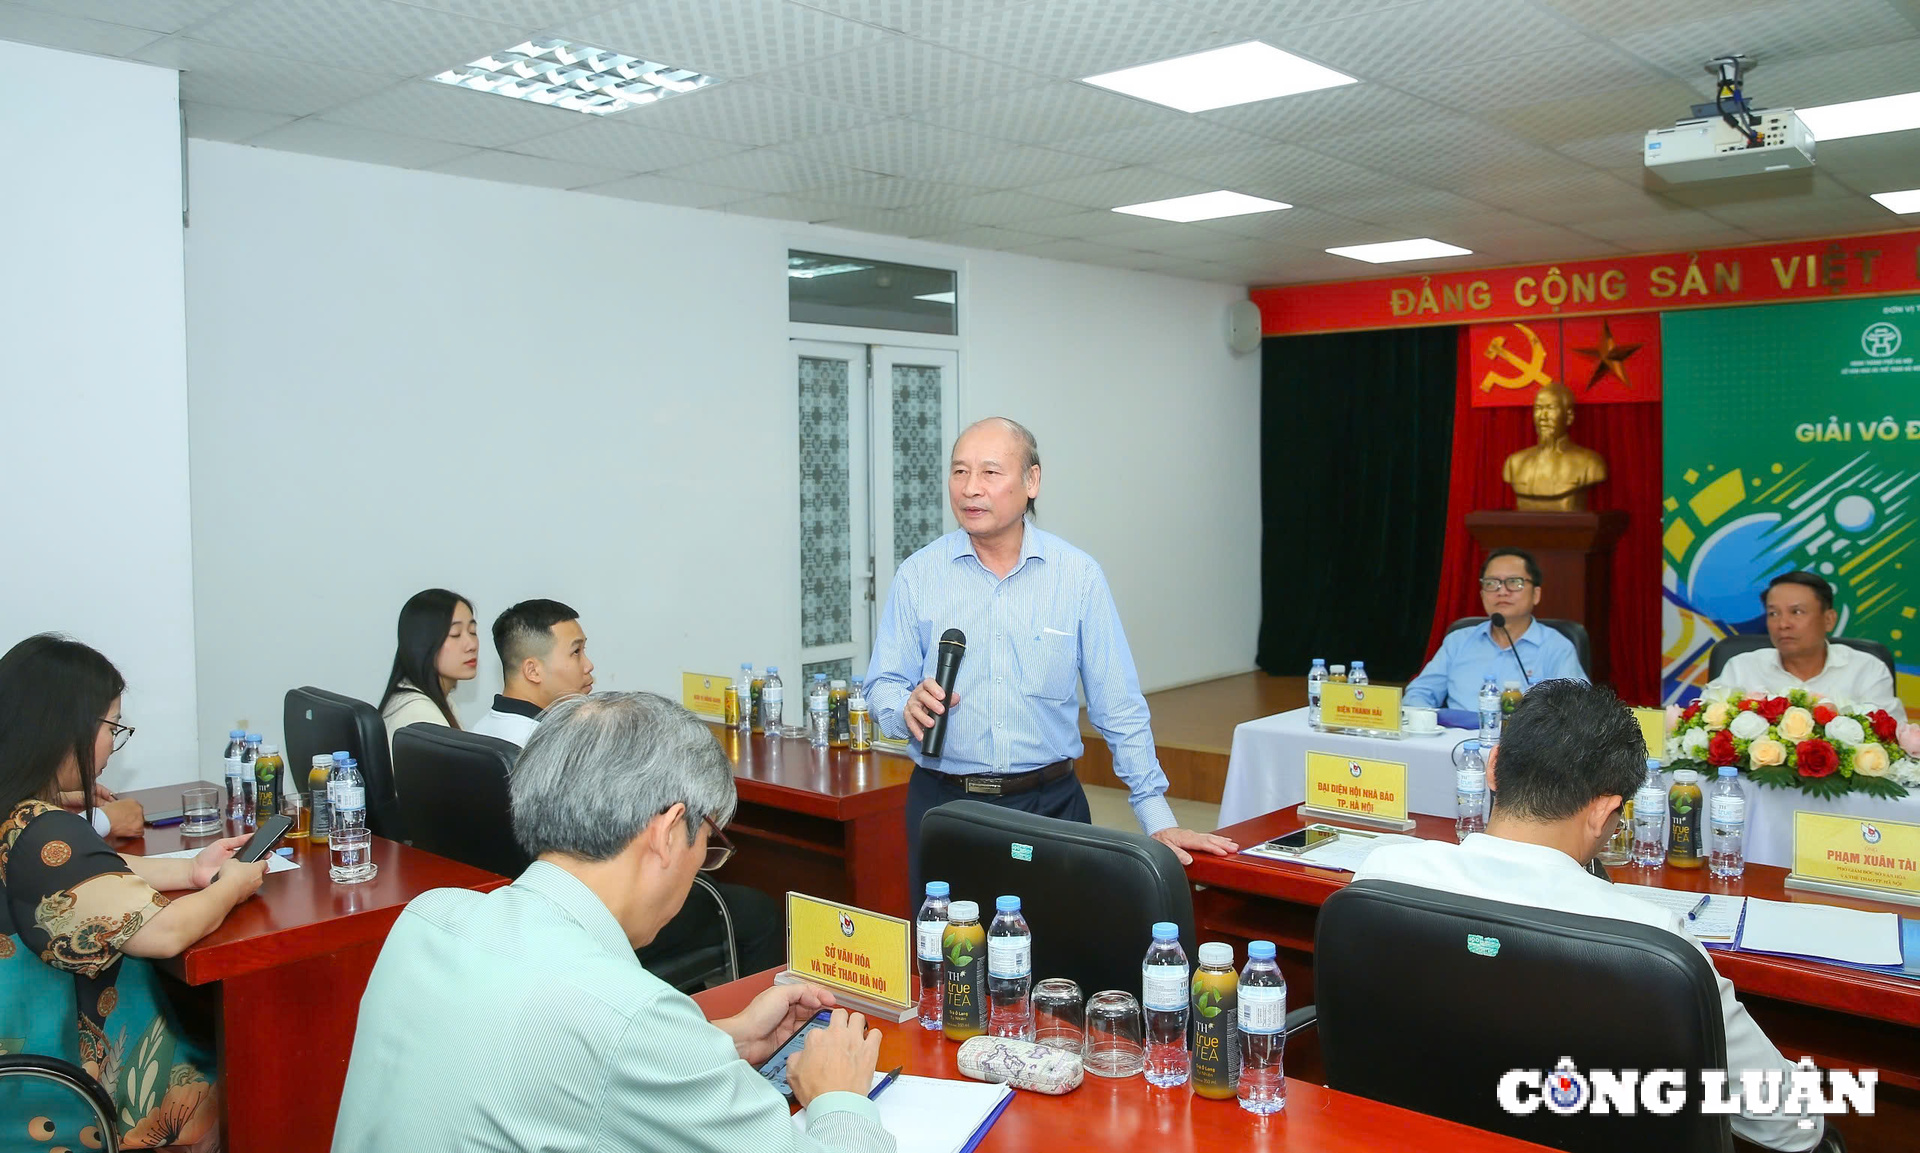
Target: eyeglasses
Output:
[(121, 733), (719, 849), (1513, 584)]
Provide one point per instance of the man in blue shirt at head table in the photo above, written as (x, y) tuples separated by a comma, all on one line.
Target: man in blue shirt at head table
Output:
[(1509, 585), (1039, 620)]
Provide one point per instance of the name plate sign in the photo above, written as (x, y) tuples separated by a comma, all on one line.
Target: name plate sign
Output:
[(865, 958), (1879, 859), (1370, 709), (1653, 730), (704, 694), (1357, 788)]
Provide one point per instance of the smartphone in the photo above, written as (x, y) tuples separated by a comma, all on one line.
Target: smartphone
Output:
[(271, 830), (1301, 840), (775, 1069)]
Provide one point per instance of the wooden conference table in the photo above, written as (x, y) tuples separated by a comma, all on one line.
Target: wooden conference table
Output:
[(285, 972), (1130, 1114), (829, 822), (1842, 1018)]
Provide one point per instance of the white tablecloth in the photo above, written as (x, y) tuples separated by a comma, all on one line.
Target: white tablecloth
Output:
[(1269, 765)]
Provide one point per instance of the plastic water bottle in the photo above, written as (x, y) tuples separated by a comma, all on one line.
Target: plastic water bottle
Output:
[(236, 776), (931, 963), (1727, 825), (1009, 972), (1263, 1032), (248, 755), (818, 717), (745, 691), (1163, 989), (1316, 676), (773, 703), (1650, 819), (1489, 714), (1470, 792), (348, 849), (1359, 674)]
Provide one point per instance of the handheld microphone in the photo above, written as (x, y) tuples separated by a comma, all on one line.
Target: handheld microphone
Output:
[(953, 646), (1499, 621)]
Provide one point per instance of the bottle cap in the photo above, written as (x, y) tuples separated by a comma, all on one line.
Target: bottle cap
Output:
[(1007, 904), (1319, 660), (963, 911), (323, 760), (937, 889), (819, 678), (1260, 951), (1216, 954), (1338, 668), (748, 665), (1359, 664), (1728, 771), (1685, 776), (1166, 931), (1653, 764), (269, 750), (1513, 684), (1470, 746), (237, 734), (838, 684), (772, 669), (253, 736)]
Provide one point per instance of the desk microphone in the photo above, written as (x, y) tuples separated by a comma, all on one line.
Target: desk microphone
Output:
[(1499, 621), (953, 646)]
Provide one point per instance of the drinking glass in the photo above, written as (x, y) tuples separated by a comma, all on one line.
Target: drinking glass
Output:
[(1059, 1018), (295, 806), (200, 812), (1114, 1035)]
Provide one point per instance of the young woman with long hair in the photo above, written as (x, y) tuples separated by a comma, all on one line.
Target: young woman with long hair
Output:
[(439, 646)]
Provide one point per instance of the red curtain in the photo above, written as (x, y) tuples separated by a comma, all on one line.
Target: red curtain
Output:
[(1628, 436)]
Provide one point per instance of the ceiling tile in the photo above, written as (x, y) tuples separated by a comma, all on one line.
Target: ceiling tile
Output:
[(726, 38), (895, 147), (1306, 228), (1586, 114), (1276, 20), (1019, 166), (1120, 186), (514, 168), (372, 35), (913, 17), (627, 147), (660, 190), (1616, 16), (748, 113), (983, 236), (1008, 208), (1643, 231), (1526, 248), (235, 79), (900, 77), (156, 15), (1412, 209), (785, 208), (1804, 187), (1158, 143), (53, 30), (1447, 152), (1166, 236), (1308, 116), (1433, 35), (893, 192), (1071, 39), (1081, 225), (769, 170), (540, 13), (1861, 74), (481, 119), (212, 122), (1524, 79), (1775, 33), (1292, 174), (1085, 250), (1047, 113), (1565, 199), (1616, 151), (889, 222), (345, 142)]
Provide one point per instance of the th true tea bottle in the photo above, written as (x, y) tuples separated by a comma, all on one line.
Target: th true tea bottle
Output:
[(1216, 1023), (1684, 847), (964, 1013)]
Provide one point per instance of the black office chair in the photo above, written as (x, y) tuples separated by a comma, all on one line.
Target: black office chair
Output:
[(454, 797), (1727, 648), (316, 721), (1572, 630), (67, 1102), (1090, 894)]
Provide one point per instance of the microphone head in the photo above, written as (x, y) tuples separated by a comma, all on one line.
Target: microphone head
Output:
[(1498, 620), (954, 638)]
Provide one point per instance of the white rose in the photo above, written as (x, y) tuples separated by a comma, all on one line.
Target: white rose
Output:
[(1748, 726), (1846, 730), (1695, 741), (1907, 772)]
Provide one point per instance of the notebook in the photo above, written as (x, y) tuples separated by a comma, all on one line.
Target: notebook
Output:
[(936, 1115), (1718, 923), (1822, 933)]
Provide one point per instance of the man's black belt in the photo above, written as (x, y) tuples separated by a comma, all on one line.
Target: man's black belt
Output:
[(1007, 784)]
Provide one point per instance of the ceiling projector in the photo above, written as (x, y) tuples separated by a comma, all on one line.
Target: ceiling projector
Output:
[(1729, 137)]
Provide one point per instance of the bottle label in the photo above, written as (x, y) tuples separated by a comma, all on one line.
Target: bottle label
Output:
[(1216, 1040), (1164, 987), (349, 798), (1263, 1009), (1729, 811), (1470, 782), (928, 939), (1009, 956), (964, 1008)]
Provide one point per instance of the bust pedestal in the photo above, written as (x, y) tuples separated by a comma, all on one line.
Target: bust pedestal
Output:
[(1575, 551)]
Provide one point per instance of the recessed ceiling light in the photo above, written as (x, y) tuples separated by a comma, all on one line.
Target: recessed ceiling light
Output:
[(1396, 250), (1901, 202), (804, 266), (576, 77), (1221, 77), (1862, 117), (937, 297), (1204, 206)]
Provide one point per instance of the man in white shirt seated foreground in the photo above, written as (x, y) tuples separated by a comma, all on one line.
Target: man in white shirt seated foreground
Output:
[(1569, 755), (543, 657), (1800, 614)]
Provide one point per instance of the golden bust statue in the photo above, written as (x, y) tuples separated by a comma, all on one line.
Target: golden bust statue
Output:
[(1554, 475)]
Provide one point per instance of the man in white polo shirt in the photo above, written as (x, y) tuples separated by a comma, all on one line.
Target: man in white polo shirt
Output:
[(1799, 616), (543, 657)]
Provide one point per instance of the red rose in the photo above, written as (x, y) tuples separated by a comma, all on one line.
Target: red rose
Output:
[(1815, 759), (1749, 704), (1884, 726), (1720, 749), (1774, 708), (1691, 711), (1823, 713)]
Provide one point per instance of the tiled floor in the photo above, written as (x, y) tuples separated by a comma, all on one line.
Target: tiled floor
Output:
[(1111, 811)]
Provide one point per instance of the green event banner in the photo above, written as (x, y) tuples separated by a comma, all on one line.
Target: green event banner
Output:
[(1792, 441)]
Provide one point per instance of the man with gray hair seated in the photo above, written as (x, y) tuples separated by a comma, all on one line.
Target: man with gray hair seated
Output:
[(520, 1019)]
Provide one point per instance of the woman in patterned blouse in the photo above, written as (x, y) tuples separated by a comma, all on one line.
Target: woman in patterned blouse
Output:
[(78, 921)]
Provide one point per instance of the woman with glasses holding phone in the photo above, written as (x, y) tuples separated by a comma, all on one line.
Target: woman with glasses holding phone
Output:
[(1510, 645), (79, 922)]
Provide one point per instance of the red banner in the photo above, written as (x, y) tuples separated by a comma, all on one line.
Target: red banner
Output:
[(1878, 264), (1603, 360)]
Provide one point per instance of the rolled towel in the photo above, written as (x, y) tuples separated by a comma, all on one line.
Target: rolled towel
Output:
[(1021, 1064)]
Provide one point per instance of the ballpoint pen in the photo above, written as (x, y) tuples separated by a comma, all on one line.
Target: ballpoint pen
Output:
[(889, 1079), (1695, 911)]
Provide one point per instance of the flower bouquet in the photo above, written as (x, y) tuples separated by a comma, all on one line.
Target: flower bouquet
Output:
[(1796, 741)]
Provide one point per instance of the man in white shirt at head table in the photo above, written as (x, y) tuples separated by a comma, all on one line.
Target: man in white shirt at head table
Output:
[(543, 657), (1553, 811), (1800, 614)]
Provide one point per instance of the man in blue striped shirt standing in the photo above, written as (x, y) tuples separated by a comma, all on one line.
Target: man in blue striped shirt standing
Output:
[(1039, 621)]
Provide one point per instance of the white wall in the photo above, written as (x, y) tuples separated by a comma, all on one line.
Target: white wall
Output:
[(403, 379), (92, 323)]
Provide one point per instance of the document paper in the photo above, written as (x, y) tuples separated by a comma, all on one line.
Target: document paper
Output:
[(1718, 923), (1821, 932), (935, 1114)]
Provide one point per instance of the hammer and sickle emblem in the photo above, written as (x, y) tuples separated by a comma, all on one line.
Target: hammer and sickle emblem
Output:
[(1530, 370)]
